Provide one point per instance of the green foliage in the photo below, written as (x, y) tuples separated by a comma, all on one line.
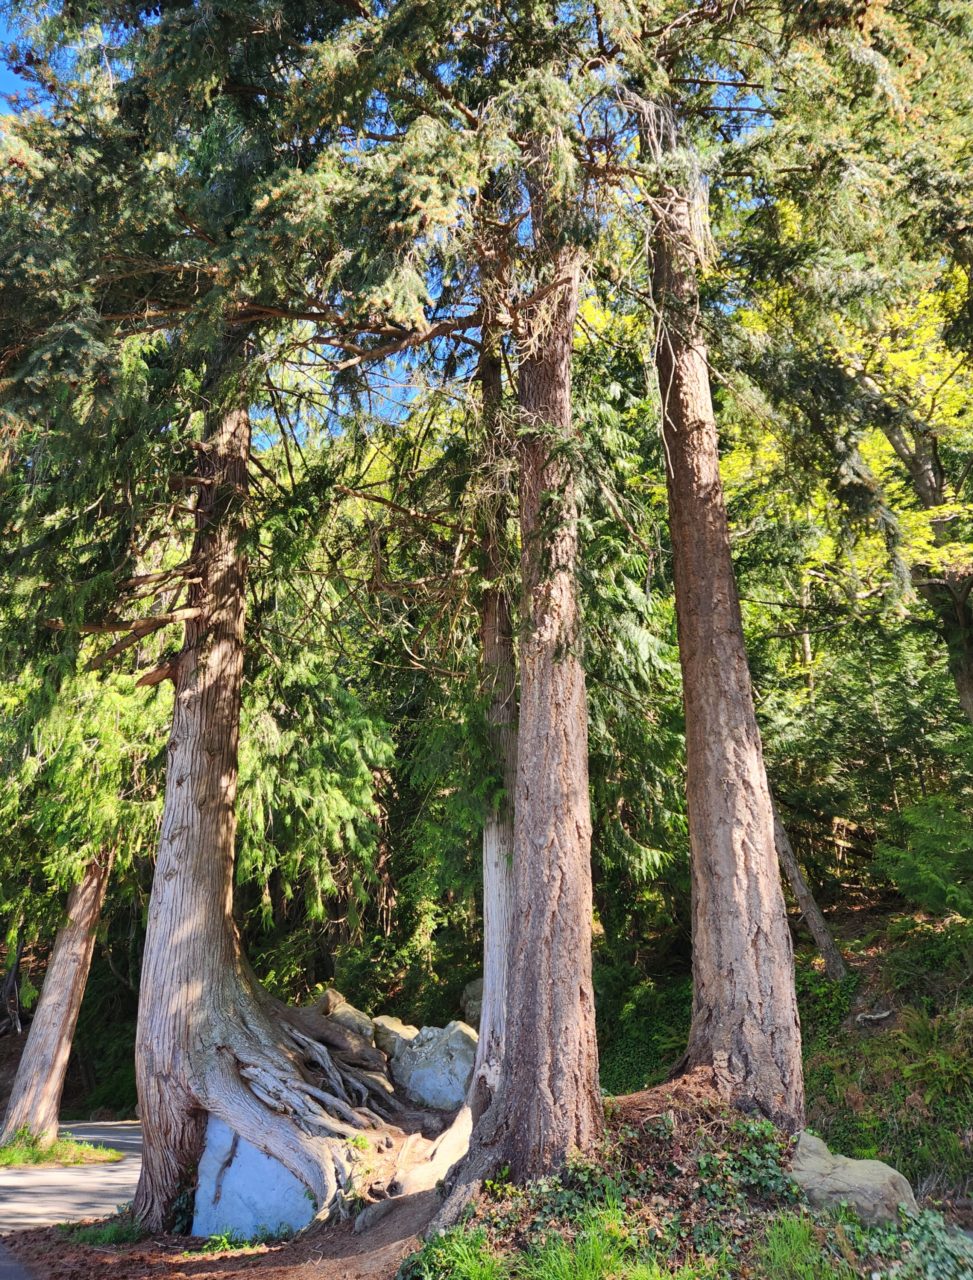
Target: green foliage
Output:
[(121, 1230), (939, 1050), (25, 1149), (928, 963), (794, 1248), (902, 1094), (642, 1026), (915, 1248), (823, 1004), (230, 1241), (750, 1165), (931, 862)]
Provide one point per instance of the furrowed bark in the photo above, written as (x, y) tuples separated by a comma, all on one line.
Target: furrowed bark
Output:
[(500, 682), (35, 1100), (745, 1024), (547, 1103), (834, 965), (208, 1039)]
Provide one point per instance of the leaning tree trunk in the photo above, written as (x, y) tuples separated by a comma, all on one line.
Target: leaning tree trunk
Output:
[(209, 1040), (10, 993), (500, 684), (834, 965), (547, 1103), (36, 1097), (745, 1023)]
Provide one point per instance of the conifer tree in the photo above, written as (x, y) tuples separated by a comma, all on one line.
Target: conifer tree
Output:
[(35, 1098), (745, 1024), (85, 331)]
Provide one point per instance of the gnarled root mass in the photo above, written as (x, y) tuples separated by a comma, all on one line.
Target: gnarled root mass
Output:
[(294, 1083)]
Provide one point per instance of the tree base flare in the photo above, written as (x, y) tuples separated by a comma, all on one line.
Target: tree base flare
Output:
[(267, 1073)]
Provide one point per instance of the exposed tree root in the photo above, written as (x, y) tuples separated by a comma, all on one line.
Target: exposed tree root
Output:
[(268, 1073), (301, 1089)]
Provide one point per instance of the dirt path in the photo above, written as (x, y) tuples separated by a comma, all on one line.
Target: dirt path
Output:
[(335, 1252)]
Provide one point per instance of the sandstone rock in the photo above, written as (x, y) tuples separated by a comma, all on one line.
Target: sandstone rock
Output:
[(434, 1069), (873, 1189), (448, 1148), (330, 1001), (243, 1192), (471, 1001), (392, 1034), (346, 1015)]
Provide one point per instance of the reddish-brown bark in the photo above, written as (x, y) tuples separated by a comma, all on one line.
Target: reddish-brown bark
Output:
[(36, 1096), (745, 1024)]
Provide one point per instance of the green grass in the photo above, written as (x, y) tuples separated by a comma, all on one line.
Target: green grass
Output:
[(116, 1231), (25, 1149), (600, 1247), (795, 1246), (792, 1250)]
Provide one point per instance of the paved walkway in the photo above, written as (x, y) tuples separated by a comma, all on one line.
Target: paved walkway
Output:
[(40, 1195), (10, 1268)]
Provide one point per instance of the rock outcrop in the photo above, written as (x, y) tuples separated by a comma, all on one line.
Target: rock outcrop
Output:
[(392, 1035), (434, 1068), (471, 1002), (238, 1187), (874, 1190)]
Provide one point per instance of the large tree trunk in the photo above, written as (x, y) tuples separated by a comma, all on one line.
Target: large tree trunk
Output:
[(209, 1040), (36, 1097), (547, 1103), (834, 965), (500, 684), (745, 1023)]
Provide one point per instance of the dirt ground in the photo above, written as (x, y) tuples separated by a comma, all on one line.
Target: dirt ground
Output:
[(334, 1252)]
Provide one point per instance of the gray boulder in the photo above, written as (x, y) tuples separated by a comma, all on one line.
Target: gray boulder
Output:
[(392, 1034), (471, 1001), (434, 1069), (243, 1192), (873, 1189)]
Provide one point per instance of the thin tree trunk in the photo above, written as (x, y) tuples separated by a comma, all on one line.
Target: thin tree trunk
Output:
[(500, 681), (745, 1023), (10, 993), (948, 591), (209, 1040), (547, 1103), (35, 1100), (951, 605), (834, 965)]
